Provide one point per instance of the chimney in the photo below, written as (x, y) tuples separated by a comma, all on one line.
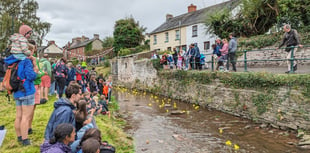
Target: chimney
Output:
[(169, 16), (192, 8), (51, 42), (83, 38), (96, 36), (78, 39)]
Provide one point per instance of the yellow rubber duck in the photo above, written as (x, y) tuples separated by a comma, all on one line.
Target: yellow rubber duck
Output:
[(228, 143)]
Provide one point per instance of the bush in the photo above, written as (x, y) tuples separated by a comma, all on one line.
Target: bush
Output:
[(106, 63)]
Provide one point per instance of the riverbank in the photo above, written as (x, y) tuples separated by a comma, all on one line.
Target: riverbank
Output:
[(111, 128)]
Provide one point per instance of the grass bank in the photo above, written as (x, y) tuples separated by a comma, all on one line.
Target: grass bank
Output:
[(111, 128)]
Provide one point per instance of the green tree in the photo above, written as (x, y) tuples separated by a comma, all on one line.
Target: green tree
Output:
[(13, 13), (255, 17), (127, 34), (107, 42)]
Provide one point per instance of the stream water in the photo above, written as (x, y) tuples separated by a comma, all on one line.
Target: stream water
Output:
[(162, 125)]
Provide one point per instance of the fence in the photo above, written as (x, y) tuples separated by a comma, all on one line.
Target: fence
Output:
[(245, 60)]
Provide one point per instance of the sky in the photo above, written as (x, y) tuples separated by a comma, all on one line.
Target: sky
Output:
[(74, 18)]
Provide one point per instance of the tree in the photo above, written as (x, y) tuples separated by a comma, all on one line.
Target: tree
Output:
[(14, 13), (255, 17), (108, 42), (127, 34)]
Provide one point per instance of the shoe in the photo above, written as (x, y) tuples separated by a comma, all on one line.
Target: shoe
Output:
[(26, 142), (295, 67), (19, 139), (287, 72), (30, 131), (43, 101)]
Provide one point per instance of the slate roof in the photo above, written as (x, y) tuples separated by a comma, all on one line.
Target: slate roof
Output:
[(195, 17), (82, 44)]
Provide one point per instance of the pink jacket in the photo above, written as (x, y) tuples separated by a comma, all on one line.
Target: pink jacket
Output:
[(224, 50)]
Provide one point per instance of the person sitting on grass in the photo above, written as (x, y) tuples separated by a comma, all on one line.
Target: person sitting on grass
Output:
[(64, 135), (63, 112), (91, 146)]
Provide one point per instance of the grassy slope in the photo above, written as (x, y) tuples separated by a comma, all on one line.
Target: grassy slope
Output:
[(110, 128)]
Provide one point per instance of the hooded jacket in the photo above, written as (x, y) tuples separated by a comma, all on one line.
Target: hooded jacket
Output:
[(58, 147), (45, 66), (232, 45), (24, 72), (63, 113), (19, 44)]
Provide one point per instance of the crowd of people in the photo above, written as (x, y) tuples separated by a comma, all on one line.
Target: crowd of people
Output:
[(182, 60), (71, 126)]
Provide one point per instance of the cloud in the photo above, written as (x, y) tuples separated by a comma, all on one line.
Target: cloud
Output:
[(74, 18)]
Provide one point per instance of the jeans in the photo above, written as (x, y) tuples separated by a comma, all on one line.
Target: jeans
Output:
[(231, 59), (61, 82), (52, 88)]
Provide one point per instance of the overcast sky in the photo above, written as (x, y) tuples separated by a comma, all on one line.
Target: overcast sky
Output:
[(74, 18)]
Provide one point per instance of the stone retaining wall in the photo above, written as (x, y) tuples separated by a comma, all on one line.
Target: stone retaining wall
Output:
[(283, 108)]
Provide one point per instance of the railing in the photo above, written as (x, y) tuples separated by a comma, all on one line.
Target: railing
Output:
[(292, 59)]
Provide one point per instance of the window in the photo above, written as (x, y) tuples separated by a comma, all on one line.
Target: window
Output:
[(169, 48), (184, 48), (177, 35), (194, 31), (167, 37), (155, 39), (206, 45)]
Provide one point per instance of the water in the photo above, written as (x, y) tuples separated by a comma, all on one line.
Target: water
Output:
[(197, 130)]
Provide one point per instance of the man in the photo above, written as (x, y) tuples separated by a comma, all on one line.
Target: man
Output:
[(63, 110), (191, 55), (45, 66), (232, 48), (291, 39), (197, 57), (2, 72)]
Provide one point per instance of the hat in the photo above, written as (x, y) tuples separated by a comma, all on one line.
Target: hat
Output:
[(23, 29)]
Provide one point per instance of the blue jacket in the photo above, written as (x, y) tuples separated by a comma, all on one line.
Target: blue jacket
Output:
[(63, 113), (79, 135), (71, 75), (24, 71)]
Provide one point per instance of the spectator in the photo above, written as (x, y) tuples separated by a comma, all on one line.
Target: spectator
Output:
[(71, 73), (24, 97), (61, 73), (224, 54), (232, 48), (2, 72), (45, 65), (110, 88), (64, 135), (291, 39), (175, 56), (63, 110), (91, 146), (197, 57)]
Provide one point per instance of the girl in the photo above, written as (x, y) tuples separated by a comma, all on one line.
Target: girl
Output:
[(64, 135), (180, 60)]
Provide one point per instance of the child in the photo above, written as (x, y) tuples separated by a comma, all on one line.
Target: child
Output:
[(20, 47), (93, 84), (180, 60), (106, 89), (104, 104)]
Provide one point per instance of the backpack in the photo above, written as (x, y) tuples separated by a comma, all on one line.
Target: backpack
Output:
[(11, 81), (105, 147)]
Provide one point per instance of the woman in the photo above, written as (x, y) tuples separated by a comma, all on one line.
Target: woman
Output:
[(61, 72), (24, 96), (224, 54), (64, 135)]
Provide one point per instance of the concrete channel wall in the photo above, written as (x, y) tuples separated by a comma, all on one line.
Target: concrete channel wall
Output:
[(284, 107)]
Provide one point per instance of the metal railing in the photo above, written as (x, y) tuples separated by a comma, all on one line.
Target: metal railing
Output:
[(292, 59)]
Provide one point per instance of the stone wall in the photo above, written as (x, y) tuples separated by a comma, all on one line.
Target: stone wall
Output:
[(284, 107), (271, 54)]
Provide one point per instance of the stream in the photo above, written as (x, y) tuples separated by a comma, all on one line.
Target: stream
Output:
[(162, 125)]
